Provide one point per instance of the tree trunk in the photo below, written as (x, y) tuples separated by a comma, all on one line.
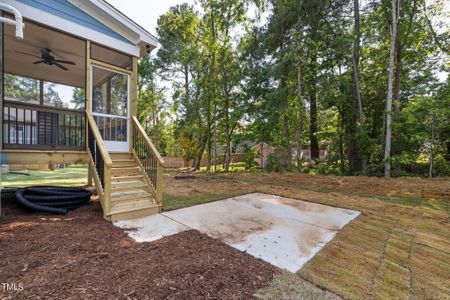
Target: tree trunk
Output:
[(208, 139), (314, 144), (387, 148), (433, 132), (287, 136), (215, 137), (398, 67), (227, 159), (186, 84), (355, 62), (341, 143), (298, 133), (355, 157), (197, 162), (287, 141)]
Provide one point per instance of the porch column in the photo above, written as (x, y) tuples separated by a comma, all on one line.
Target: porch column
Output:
[(133, 95)]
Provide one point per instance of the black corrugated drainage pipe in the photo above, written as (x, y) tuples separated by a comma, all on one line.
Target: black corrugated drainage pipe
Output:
[(56, 200)]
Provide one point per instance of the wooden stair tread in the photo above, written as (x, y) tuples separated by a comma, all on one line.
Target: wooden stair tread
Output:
[(129, 207), (132, 194), (124, 168), (125, 171), (120, 155), (128, 189), (127, 178), (128, 184), (121, 201)]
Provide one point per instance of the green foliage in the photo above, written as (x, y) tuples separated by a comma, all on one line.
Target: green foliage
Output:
[(288, 79), (249, 158), (188, 147), (273, 164)]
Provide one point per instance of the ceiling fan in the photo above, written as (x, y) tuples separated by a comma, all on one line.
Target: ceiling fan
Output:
[(49, 59)]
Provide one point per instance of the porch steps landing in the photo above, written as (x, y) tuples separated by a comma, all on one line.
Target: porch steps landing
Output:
[(131, 194)]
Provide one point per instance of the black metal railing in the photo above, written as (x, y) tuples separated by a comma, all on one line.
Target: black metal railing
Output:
[(31, 126), (96, 156), (145, 155)]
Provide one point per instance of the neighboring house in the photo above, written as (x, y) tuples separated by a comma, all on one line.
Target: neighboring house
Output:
[(70, 96), (263, 150), (236, 148), (306, 154)]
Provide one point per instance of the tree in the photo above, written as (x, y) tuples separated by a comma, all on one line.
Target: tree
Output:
[(78, 98), (387, 149), (312, 74)]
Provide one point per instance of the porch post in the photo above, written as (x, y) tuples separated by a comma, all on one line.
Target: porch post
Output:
[(133, 96), (87, 104), (1, 90)]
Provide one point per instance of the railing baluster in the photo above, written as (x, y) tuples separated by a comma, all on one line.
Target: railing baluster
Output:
[(17, 126), (9, 125), (149, 157), (29, 124), (23, 126)]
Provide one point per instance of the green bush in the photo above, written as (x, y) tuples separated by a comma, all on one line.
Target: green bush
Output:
[(441, 167), (273, 164), (249, 158), (238, 165), (327, 169)]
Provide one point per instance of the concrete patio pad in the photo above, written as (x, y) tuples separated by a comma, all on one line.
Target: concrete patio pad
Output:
[(282, 231)]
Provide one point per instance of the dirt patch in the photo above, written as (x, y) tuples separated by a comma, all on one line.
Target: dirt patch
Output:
[(198, 185), (82, 256)]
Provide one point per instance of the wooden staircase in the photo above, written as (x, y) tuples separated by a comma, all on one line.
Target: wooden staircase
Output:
[(131, 192), (128, 184)]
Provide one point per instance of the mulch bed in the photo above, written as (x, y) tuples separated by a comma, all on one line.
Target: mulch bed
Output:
[(80, 255)]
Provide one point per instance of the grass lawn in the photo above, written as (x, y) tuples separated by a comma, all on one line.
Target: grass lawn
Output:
[(72, 175), (398, 248)]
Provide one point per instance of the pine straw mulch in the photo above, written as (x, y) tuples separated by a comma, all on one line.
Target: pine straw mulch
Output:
[(82, 256)]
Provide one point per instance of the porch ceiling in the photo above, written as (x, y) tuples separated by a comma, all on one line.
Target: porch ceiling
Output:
[(64, 47)]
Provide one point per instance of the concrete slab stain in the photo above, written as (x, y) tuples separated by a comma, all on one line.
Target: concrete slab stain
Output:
[(282, 231)]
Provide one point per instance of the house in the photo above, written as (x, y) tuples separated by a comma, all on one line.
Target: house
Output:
[(70, 96), (264, 149)]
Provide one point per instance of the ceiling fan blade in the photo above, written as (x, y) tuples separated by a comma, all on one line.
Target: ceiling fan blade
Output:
[(64, 61), (29, 54), (60, 66), (38, 62)]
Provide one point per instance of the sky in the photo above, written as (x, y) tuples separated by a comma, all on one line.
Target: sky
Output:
[(143, 12), (146, 12)]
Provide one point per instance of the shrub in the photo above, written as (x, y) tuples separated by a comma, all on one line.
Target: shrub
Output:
[(441, 167), (273, 164), (249, 158)]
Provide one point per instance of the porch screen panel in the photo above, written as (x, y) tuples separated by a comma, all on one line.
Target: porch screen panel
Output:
[(110, 104)]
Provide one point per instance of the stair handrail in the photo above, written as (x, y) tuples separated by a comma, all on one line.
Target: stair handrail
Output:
[(103, 186), (156, 179)]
